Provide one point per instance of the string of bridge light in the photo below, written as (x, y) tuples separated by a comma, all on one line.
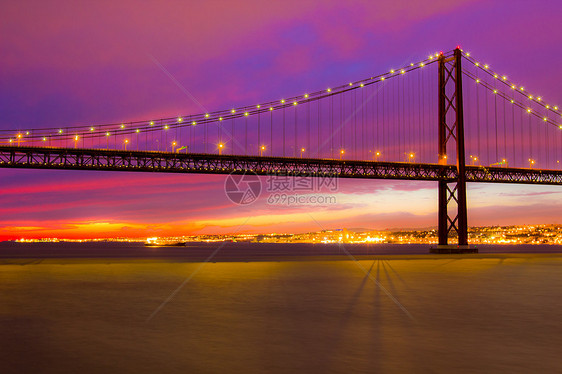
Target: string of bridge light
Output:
[(106, 130), (514, 87), (511, 100)]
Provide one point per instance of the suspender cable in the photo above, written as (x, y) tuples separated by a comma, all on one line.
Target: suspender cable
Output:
[(318, 127), (521, 128), (295, 133), (283, 131), (419, 120), (342, 108), (513, 126), (425, 130), (363, 123), (308, 126), (504, 132), (344, 125), (376, 133), (354, 109), (384, 132), (331, 135), (496, 124), (487, 132)]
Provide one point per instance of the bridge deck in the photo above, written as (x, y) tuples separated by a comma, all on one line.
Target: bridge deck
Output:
[(152, 161)]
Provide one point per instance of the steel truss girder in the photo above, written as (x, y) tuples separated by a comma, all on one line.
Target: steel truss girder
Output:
[(146, 161)]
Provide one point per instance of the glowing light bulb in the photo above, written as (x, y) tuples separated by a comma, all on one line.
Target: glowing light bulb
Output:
[(295, 103), (233, 111), (539, 98), (180, 119), (60, 131), (246, 114), (504, 77), (392, 71), (166, 127), (512, 101), (92, 129), (528, 110), (270, 108), (193, 123), (220, 118), (151, 123), (206, 115), (361, 85), (495, 76), (422, 64), (545, 119), (137, 131), (329, 90), (122, 126), (107, 134), (478, 81), (44, 139), (495, 91), (555, 108), (382, 78), (486, 66), (282, 101), (351, 84), (258, 106), (476, 64), (513, 86), (305, 96)]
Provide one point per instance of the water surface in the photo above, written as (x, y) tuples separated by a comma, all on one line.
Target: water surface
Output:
[(493, 312)]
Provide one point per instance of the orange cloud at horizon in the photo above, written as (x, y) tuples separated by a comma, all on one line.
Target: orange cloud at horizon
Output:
[(93, 230)]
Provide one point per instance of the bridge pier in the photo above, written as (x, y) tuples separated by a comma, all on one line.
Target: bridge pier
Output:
[(452, 191), (458, 249)]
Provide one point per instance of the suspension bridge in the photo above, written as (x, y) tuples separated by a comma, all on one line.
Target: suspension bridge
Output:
[(448, 118)]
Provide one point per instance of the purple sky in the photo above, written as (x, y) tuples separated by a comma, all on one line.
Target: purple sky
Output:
[(68, 62)]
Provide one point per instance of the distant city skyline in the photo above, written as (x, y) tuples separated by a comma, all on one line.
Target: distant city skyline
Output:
[(519, 234)]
